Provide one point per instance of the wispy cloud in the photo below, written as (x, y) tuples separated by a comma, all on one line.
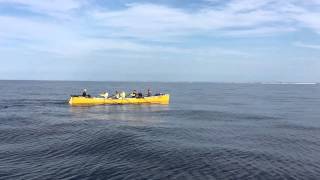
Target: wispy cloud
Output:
[(46, 5), (259, 17), (305, 45), (129, 28), (309, 20), (245, 17), (149, 19), (243, 32)]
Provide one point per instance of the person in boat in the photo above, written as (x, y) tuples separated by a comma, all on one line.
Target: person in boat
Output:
[(134, 94), (117, 95), (149, 93), (140, 95), (122, 95), (105, 94), (84, 93)]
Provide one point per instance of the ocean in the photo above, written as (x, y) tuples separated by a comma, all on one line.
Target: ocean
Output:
[(209, 131)]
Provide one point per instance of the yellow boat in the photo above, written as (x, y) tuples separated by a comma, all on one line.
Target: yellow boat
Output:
[(79, 100)]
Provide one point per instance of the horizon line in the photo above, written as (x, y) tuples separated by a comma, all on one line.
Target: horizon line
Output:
[(157, 81)]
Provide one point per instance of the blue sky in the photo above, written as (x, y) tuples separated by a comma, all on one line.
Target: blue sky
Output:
[(165, 40)]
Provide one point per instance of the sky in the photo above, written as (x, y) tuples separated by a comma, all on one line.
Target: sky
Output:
[(164, 40)]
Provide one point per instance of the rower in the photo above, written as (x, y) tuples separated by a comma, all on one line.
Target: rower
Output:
[(84, 93), (122, 95), (105, 94), (117, 96), (134, 94), (149, 93)]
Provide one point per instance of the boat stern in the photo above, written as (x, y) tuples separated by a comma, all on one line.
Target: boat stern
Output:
[(70, 100)]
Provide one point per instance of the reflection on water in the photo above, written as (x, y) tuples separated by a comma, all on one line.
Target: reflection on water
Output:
[(125, 113)]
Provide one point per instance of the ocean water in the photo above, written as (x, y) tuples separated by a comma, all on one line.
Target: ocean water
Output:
[(209, 131)]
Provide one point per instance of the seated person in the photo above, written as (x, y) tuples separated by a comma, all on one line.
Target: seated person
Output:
[(84, 93), (134, 94), (139, 95), (122, 95), (149, 93), (105, 94), (117, 95)]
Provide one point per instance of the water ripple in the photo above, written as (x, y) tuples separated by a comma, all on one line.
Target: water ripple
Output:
[(237, 132)]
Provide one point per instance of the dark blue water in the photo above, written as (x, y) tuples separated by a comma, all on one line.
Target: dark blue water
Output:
[(209, 131)]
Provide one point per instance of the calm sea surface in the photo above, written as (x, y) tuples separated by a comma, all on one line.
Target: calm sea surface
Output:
[(209, 131)]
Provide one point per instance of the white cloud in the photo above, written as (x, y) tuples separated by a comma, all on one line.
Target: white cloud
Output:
[(247, 16), (149, 19), (310, 46), (157, 22), (46, 5), (60, 40), (265, 31), (28, 29), (248, 5), (310, 20), (61, 9), (150, 22)]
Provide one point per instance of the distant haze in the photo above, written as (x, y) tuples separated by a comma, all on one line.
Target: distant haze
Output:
[(165, 40)]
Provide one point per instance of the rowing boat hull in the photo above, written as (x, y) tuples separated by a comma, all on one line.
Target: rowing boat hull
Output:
[(163, 99)]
